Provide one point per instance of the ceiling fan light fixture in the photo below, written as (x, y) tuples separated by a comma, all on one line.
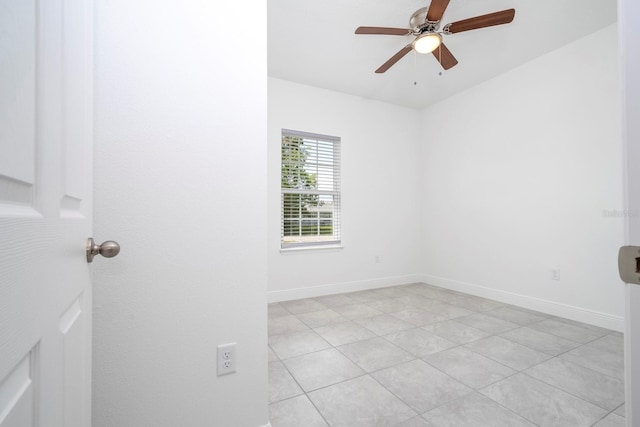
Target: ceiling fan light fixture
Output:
[(427, 43)]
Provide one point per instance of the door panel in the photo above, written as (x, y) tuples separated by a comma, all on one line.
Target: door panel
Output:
[(17, 396), (18, 35), (73, 329), (45, 212), (76, 125)]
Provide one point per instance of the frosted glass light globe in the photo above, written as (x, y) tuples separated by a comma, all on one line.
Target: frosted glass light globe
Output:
[(427, 43)]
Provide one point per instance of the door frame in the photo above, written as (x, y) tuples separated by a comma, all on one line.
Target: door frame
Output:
[(629, 39)]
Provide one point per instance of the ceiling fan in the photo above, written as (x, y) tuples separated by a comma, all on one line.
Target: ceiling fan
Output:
[(425, 24)]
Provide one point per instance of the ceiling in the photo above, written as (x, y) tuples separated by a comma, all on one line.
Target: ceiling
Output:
[(313, 42)]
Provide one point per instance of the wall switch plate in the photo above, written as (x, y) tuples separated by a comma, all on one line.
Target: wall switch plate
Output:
[(226, 359)]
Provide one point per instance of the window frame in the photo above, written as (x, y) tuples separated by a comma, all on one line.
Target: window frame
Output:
[(334, 194)]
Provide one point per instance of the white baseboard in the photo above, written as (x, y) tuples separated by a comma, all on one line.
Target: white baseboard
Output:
[(591, 317), (338, 288)]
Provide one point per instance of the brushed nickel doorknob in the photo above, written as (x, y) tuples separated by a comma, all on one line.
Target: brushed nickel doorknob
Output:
[(108, 249)]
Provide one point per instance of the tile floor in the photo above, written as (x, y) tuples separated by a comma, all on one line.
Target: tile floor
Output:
[(419, 355)]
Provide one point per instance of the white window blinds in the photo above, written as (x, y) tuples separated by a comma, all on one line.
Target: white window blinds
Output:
[(310, 189)]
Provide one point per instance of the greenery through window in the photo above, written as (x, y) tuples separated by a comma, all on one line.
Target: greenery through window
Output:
[(310, 186)]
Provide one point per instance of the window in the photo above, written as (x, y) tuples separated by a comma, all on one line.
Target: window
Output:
[(310, 184)]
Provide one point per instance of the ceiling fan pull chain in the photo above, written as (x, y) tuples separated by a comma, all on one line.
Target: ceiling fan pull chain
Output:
[(415, 68)]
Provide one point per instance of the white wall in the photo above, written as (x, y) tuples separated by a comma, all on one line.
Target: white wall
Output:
[(180, 177), (516, 174), (380, 197)]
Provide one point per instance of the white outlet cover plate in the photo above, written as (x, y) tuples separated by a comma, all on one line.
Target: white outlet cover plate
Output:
[(227, 359)]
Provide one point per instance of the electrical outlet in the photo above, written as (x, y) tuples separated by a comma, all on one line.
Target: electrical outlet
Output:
[(226, 359), (555, 274), (376, 259)]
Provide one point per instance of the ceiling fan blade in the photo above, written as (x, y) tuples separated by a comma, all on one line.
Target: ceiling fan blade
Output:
[(444, 56), (395, 58), (383, 30), (436, 9), (488, 20)]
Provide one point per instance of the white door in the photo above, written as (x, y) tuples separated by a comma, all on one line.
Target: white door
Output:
[(45, 212), (629, 22)]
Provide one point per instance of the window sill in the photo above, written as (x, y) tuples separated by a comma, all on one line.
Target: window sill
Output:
[(319, 248)]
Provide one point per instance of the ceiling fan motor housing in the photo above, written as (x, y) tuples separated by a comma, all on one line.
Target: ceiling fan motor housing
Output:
[(419, 23)]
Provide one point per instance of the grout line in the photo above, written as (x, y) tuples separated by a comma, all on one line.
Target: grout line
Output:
[(598, 405), (397, 397), (503, 406)]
